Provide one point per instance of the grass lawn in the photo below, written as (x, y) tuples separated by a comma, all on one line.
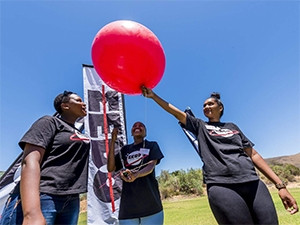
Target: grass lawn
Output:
[(283, 216), (196, 211)]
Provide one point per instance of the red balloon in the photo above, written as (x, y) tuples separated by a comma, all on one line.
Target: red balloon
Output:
[(127, 55)]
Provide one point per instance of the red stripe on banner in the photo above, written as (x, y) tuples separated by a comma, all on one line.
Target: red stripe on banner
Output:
[(111, 193)]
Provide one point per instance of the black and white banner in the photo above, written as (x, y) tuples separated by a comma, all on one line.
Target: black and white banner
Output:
[(9, 180), (105, 108), (192, 138)]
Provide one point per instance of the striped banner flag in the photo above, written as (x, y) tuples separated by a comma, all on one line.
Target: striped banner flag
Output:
[(105, 108), (192, 138), (9, 180)]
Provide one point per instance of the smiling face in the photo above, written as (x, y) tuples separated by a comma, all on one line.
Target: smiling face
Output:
[(138, 130), (212, 110)]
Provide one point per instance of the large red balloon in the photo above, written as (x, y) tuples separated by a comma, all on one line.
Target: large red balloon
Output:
[(127, 55)]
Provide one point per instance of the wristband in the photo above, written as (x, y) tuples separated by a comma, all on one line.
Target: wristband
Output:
[(280, 185)]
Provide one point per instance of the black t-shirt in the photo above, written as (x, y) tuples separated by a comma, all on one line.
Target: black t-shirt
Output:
[(221, 148), (65, 162), (141, 197)]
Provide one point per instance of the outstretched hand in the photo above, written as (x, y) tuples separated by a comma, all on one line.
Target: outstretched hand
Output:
[(147, 92), (288, 201)]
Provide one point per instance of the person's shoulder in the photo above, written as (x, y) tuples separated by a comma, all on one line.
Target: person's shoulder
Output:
[(150, 142), (194, 119), (46, 118), (49, 118), (230, 124), (127, 146)]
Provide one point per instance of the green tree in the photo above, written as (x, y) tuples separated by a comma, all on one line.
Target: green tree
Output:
[(180, 182), (286, 172), (168, 184)]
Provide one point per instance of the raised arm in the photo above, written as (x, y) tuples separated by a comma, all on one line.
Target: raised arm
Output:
[(111, 164), (287, 199), (30, 185), (180, 115)]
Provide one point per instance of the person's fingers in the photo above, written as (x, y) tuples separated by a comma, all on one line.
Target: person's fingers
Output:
[(294, 208)]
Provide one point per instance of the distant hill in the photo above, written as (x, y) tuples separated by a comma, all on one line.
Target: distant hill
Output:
[(289, 159)]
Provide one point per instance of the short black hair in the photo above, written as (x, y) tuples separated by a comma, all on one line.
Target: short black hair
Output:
[(217, 97), (61, 98)]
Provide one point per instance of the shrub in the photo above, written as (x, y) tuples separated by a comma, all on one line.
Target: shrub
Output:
[(180, 182), (286, 172)]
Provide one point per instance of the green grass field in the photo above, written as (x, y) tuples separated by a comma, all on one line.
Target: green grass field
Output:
[(196, 211)]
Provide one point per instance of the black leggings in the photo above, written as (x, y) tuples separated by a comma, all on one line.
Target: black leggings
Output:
[(245, 203)]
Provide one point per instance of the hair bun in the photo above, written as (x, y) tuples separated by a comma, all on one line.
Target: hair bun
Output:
[(215, 95)]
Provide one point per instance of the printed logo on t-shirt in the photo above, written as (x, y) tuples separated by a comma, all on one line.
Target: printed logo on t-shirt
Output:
[(80, 137), (217, 131), (136, 157)]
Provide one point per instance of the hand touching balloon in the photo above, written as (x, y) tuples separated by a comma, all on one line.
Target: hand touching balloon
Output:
[(147, 92)]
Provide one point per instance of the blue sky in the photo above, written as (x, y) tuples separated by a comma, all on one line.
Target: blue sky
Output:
[(246, 50)]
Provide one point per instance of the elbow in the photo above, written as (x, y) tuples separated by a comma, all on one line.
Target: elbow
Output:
[(27, 164), (152, 165), (253, 154), (181, 118)]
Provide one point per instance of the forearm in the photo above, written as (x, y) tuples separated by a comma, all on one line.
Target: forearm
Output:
[(178, 114), (263, 167), (30, 185), (111, 164), (30, 188), (146, 170), (287, 199)]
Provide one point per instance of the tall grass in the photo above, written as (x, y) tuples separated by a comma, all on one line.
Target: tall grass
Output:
[(196, 211)]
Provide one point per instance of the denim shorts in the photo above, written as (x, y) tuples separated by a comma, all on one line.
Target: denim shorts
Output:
[(57, 209), (157, 219)]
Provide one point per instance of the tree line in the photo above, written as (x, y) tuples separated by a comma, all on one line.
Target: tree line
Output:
[(190, 182)]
